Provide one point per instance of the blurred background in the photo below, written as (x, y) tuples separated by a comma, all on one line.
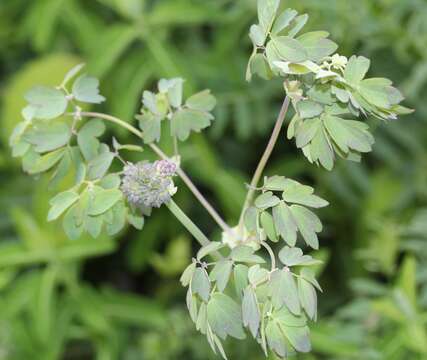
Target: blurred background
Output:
[(120, 298)]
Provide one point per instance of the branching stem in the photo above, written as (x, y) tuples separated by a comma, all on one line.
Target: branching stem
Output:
[(271, 253), (265, 157), (188, 223), (218, 219), (192, 228)]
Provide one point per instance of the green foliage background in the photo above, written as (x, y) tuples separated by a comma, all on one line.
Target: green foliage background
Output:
[(123, 299)]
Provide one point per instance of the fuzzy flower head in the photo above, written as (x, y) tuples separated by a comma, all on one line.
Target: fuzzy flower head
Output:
[(148, 185)]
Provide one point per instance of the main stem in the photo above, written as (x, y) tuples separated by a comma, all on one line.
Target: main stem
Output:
[(191, 227), (162, 155), (266, 156)]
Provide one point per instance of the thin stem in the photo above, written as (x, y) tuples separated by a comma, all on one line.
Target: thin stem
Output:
[(195, 192), (192, 228), (189, 225), (271, 253), (266, 156), (115, 120), (162, 155), (175, 146)]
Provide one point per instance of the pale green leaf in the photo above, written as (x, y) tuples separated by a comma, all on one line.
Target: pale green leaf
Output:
[(202, 319), (45, 162), (72, 73), (299, 337), (209, 249), (267, 224), (266, 200), (294, 256), (297, 25), (70, 225), (150, 124), (136, 221), (60, 203), (200, 284), (376, 92), (283, 291), (99, 165), (221, 273), (111, 181), (275, 183), (245, 253), (307, 131), (275, 339), (257, 275), (48, 137), (186, 120), (308, 224), (250, 311), (103, 200), (285, 224), (173, 88), (310, 276), (301, 194), (93, 225), (289, 49), (259, 66), (47, 103), (118, 220), (85, 89), (308, 298), (240, 276), (309, 109), (267, 10), (356, 69), (187, 275), (224, 317), (250, 218), (202, 101), (321, 150), (87, 138), (257, 35), (284, 20), (191, 301), (317, 46)]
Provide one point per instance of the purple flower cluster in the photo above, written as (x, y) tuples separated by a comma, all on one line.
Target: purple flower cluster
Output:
[(148, 185)]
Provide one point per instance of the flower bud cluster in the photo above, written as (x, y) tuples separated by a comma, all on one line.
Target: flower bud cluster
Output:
[(148, 184)]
